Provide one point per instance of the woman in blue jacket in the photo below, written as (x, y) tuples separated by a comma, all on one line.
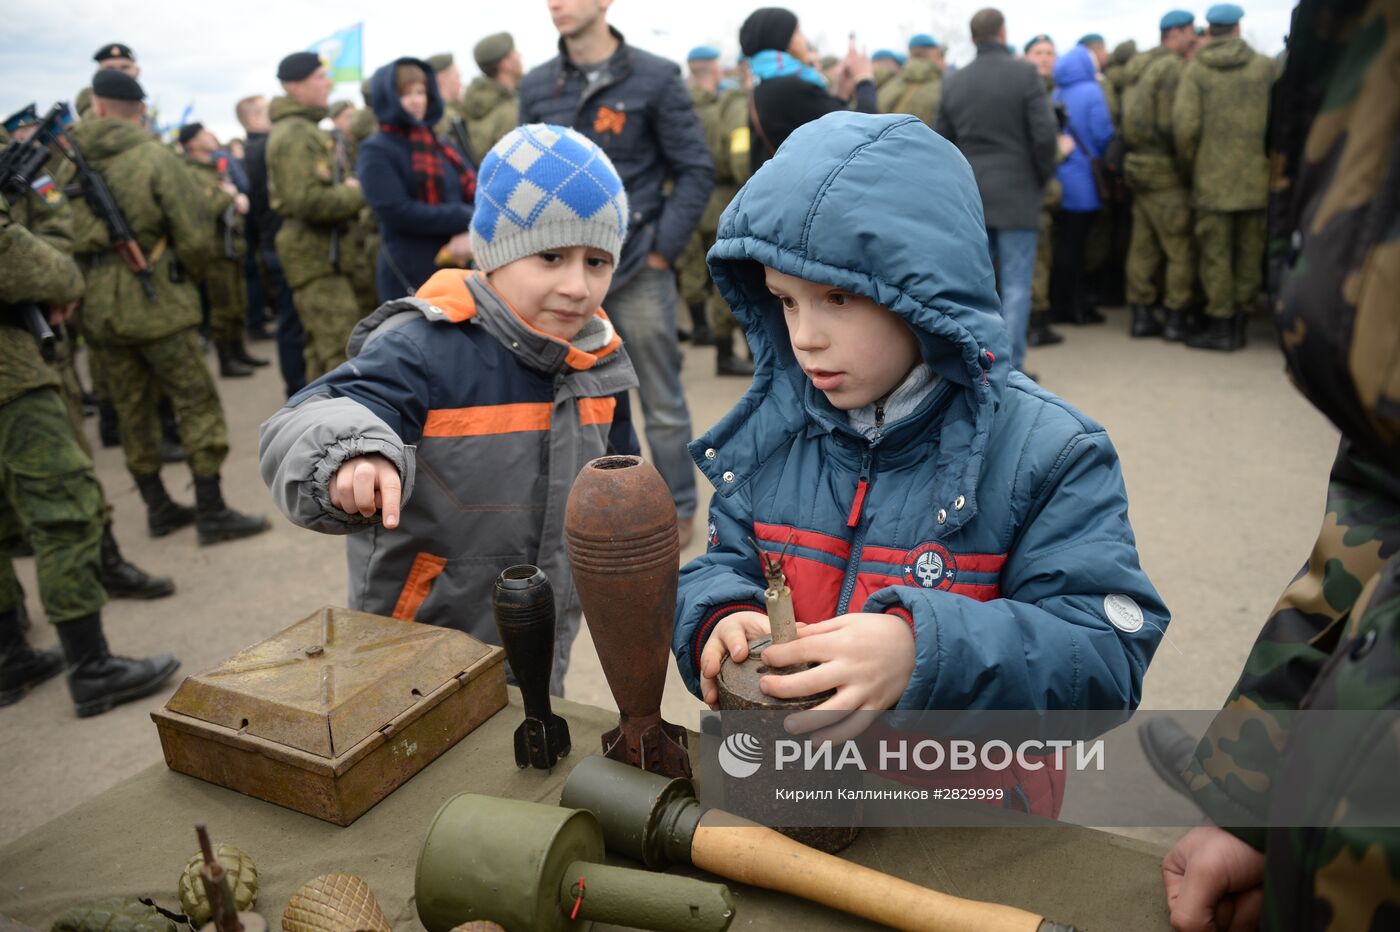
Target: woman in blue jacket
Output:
[(419, 189), (1091, 128)]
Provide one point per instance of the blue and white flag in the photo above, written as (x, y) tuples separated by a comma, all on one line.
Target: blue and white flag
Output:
[(344, 53)]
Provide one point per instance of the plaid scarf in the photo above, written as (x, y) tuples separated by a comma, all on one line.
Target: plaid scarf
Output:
[(424, 149)]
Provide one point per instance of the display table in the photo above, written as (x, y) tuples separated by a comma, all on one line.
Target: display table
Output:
[(134, 839)]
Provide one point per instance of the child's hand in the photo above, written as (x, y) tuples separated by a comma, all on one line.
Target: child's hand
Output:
[(366, 484), (867, 658), (731, 636)]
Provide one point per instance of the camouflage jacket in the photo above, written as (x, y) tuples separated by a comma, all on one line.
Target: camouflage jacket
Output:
[(363, 125), (218, 204), (1333, 641), (491, 111), (1218, 122), (1151, 163), (916, 91), (31, 270), (167, 217), (720, 117), (301, 187)]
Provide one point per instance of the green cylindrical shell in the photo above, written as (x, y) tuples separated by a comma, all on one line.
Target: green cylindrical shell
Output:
[(646, 899), (649, 818), (501, 860), (242, 878), (117, 914)]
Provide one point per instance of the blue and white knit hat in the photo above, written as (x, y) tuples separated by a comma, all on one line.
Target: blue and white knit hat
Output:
[(546, 187)]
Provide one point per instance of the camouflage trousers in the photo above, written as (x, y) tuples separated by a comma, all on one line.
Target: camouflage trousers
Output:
[(50, 496), (1313, 653), (328, 310), (171, 366), (1232, 258), (227, 291), (693, 279), (72, 391), (1044, 259), (1161, 249)]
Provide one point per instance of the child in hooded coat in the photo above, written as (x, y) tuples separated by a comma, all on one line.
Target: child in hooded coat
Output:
[(956, 536)]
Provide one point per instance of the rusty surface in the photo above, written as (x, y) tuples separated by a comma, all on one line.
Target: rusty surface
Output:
[(331, 715), (620, 524)]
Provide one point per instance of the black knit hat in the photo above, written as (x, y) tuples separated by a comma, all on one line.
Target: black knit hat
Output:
[(111, 84), (189, 131), (769, 27), (298, 66)]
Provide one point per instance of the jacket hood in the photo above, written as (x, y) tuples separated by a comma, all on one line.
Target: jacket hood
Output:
[(836, 205), (1224, 54), (102, 138), (384, 95), (483, 95), (919, 71), (1074, 67), (1134, 69)]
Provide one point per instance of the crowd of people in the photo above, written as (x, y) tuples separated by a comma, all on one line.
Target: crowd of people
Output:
[(457, 248)]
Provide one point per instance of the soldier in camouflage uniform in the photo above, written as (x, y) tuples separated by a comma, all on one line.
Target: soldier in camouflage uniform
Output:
[(886, 66), (225, 284), (721, 113), (449, 84), (359, 239), (48, 491), (1218, 122), (1115, 75), (149, 342), (314, 211), (919, 86), (490, 105), (44, 211), (1333, 640), (1161, 247), (1040, 51)]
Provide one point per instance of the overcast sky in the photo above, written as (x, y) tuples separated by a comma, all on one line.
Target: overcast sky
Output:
[(211, 54)]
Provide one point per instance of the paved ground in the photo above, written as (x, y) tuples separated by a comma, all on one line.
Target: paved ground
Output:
[(1226, 469)]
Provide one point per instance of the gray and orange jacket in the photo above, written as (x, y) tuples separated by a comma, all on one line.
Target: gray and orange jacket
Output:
[(488, 422)]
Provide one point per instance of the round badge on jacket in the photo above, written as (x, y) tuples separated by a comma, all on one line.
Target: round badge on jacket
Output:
[(929, 566)]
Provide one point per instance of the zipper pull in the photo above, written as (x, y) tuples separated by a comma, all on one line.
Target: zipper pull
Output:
[(862, 486)]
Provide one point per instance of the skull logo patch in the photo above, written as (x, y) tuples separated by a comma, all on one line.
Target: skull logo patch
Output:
[(929, 566)]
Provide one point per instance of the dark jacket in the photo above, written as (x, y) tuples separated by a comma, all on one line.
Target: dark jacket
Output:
[(1077, 87), (997, 113), (640, 114), (262, 219), (785, 103), (412, 231)]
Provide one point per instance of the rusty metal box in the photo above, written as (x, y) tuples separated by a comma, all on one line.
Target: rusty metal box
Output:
[(333, 714)]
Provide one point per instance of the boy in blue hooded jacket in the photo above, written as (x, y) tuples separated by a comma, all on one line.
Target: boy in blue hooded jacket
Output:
[(957, 537)]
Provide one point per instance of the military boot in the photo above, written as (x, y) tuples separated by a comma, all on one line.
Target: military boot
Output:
[(1169, 748), (163, 516), (21, 666), (727, 362), (124, 580), (230, 366), (215, 520), (1220, 333), (700, 334), (240, 353), (97, 680), (1040, 333), (107, 430), (1145, 323), (1181, 323)]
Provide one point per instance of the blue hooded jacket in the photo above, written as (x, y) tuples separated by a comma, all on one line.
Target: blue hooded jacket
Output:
[(993, 517), (412, 232), (1077, 87)]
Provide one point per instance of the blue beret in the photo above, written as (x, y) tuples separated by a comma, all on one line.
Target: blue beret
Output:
[(1224, 14), (901, 58), (1176, 19), (1036, 40), (923, 41), (703, 53), (884, 55), (28, 115), (1089, 37)]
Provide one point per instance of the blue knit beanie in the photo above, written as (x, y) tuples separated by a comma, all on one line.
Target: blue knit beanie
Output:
[(546, 187)]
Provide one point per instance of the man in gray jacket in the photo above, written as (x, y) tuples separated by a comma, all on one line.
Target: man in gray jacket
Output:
[(997, 113)]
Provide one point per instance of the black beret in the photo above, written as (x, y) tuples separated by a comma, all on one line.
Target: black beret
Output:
[(115, 50), (189, 131), (115, 85), (769, 27), (298, 66)]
